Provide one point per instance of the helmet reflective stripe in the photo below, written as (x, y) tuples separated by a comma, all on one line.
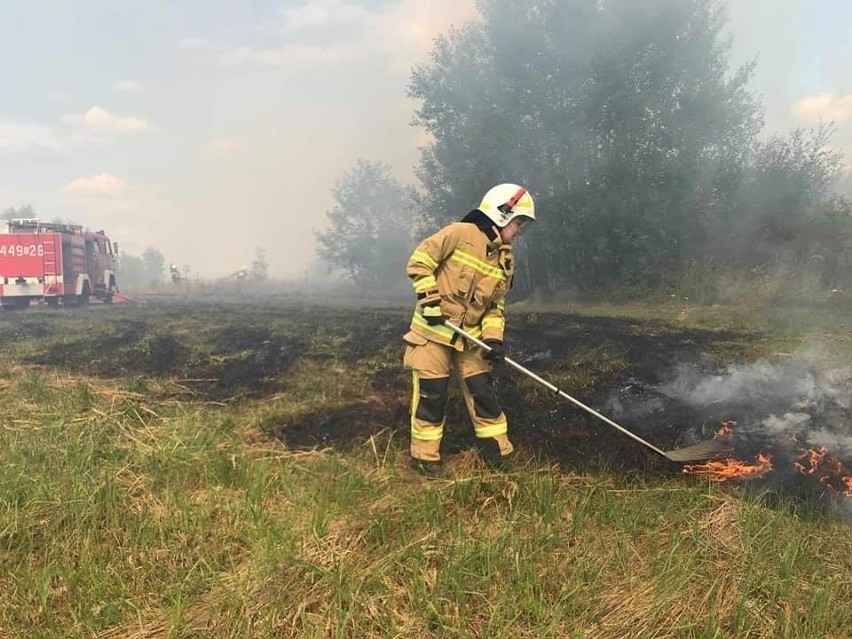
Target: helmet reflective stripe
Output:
[(505, 202)]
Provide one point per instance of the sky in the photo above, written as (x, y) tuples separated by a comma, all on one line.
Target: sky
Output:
[(209, 129)]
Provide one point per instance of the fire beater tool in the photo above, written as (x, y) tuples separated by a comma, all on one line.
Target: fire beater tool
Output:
[(704, 450)]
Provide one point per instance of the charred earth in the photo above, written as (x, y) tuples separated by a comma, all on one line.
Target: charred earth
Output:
[(670, 386)]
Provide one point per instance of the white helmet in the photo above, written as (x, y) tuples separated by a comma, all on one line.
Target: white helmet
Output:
[(505, 202)]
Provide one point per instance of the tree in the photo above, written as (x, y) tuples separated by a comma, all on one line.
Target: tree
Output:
[(621, 118), (369, 237), (131, 270), (259, 267), (153, 264), (788, 179), (788, 214)]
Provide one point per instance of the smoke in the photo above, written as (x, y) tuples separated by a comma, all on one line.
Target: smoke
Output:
[(798, 412), (749, 383), (793, 402)]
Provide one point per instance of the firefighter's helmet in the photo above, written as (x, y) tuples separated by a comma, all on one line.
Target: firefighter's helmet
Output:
[(505, 202)]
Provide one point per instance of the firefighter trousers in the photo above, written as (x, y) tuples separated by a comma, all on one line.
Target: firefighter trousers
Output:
[(431, 364)]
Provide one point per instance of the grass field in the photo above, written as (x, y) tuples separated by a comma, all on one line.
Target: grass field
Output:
[(182, 469)]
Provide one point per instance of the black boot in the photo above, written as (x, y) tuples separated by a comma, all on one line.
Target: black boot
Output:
[(489, 452), (504, 463), (429, 469)]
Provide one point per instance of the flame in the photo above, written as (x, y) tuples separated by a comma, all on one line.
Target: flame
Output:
[(720, 471), (814, 458), (829, 469), (818, 463)]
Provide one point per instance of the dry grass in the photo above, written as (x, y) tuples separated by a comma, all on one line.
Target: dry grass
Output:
[(133, 508)]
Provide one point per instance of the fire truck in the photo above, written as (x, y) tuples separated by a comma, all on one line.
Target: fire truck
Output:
[(55, 263)]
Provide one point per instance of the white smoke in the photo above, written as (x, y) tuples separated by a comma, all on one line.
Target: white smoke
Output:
[(795, 401), (787, 423), (741, 383), (839, 444)]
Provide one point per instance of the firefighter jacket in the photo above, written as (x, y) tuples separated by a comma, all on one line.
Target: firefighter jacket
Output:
[(471, 270)]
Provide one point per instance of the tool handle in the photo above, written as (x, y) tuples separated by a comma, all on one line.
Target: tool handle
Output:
[(550, 386)]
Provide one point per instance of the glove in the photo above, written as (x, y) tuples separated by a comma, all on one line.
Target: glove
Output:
[(497, 354)]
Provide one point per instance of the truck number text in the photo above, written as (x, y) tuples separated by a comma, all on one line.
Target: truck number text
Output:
[(22, 250)]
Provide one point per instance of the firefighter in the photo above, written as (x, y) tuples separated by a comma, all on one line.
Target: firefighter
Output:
[(462, 274)]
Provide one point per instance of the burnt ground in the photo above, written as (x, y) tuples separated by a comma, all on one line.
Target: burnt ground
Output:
[(243, 350), (225, 351)]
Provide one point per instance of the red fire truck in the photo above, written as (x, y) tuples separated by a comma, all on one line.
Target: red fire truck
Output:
[(55, 263)]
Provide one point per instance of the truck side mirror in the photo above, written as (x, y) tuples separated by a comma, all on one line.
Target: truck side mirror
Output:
[(115, 248)]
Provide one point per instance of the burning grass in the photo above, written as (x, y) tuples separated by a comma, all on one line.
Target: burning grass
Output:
[(721, 471), (141, 505), (818, 465)]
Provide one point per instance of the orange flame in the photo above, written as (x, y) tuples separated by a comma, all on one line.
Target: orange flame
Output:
[(819, 463), (814, 458), (830, 470), (720, 471)]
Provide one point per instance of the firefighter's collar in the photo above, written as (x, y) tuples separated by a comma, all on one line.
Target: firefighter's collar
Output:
[(495, 240)]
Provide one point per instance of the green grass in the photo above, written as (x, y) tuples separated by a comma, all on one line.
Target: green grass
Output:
[(128, 509)]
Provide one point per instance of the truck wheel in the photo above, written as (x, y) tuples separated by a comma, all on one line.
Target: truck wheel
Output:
[(15, 303), (52, 302)]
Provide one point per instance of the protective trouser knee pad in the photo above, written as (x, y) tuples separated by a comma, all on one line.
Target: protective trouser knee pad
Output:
[(432, 400), (485, 403)]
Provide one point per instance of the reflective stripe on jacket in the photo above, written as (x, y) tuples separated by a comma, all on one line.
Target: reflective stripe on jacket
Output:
[(472, 275)]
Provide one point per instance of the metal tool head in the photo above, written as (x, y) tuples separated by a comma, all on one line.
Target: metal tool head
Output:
[(705, 450)]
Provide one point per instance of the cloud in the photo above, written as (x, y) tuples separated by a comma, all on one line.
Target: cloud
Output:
[(101, 185), (19, 138), (98, 119), (403, 33), (324, 13), (103, 194), (824, 106), (127, 86), (133, 214)]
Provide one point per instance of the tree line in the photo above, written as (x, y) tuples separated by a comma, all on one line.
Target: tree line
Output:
[(640, 143)]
